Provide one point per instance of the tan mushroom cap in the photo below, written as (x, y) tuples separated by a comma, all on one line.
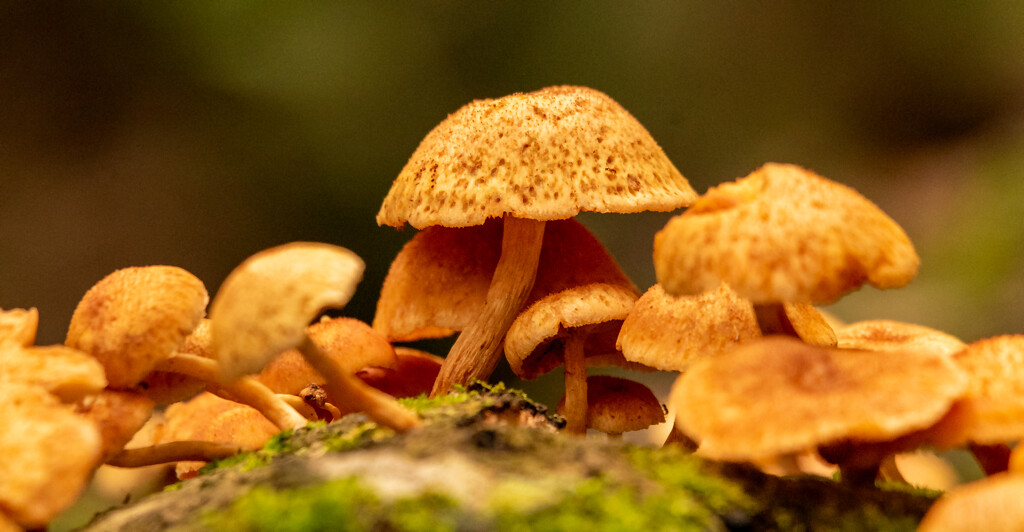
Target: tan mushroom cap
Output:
[(118, 415), (65, 372), (890, 335), (617, 405), (136, 317), (543, 155), (165, 387), (18, 326), (993, 503), (671, 333), (532, 344), (783, 234), (778, 395), (264, 306), (48, 453), (438, 282), (352, 343), (207, 417), (991, 410)]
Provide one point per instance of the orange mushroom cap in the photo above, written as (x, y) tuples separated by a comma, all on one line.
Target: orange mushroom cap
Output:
[(18, 326), (616, 405), (890, 335), (65, 372)]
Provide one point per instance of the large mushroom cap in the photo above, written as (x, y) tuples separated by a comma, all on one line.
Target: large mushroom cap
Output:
[(783, 234), (438, 282), (136, 317), (993, 503), (543, 155), (778, 395), (533, 344), (265, 304), (48, 454), (671, 333)]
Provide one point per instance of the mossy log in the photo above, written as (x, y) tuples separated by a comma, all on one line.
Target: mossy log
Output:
[(490, 459)]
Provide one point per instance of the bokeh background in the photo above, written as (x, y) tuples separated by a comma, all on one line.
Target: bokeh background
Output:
[(196, 133)]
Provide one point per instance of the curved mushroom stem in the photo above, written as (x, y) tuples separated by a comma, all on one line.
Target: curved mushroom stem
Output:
[(346, 389), (477, 350), (245, 390), (890, 470), (575, 385), (176, 451)]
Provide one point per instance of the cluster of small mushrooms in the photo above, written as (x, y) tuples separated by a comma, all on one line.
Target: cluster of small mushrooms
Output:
[(764, 376)]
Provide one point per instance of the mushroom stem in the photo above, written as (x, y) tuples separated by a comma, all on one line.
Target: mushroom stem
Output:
[(575, 385), (890, 470), (245, 390), (477, 350), (346, 389), (176, 451)]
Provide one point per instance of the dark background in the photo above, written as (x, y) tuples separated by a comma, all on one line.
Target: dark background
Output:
[(196, 133)]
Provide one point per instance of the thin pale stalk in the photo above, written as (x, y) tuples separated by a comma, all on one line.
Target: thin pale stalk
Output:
[(178, 451), (575, 385)]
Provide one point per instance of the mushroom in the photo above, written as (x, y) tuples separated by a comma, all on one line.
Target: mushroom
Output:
[(782, 235), (563, 328), (49, 454), (414, 374), (18, 326), (890, 335), (118, 415), (993, 503), (265, 305), (134, 322), (526, 158), (616, 405), (65, 372), (990, 414), (778, 396)]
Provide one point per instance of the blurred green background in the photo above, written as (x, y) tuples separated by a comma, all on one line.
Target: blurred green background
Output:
[(195, 133)]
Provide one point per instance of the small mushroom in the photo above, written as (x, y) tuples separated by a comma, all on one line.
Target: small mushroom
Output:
[(563, 328), (134, 322), (534, 157), (265, 305), (778, 396), (18, 326), (412, 376), (65, 372), (993, 503), (890, 335), (49, 454), (782, 235), (616, 405)]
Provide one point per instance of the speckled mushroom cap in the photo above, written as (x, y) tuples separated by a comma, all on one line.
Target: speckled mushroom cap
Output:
[(783, 234), (671, 333), (991, 411), (18, 326), (65, 372), (438, 282), (49, 453), (778, 395), (352, 343), (890, 335), (616, 405), (544, 155), (532, 344), (992, 503), (265, 304), (136, 317)]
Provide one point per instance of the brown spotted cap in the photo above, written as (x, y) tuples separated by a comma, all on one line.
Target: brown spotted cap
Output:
[(891, 335), (778, 395), (438, 282), (544, 155), (671, 333), (783, 234), (136, 317)]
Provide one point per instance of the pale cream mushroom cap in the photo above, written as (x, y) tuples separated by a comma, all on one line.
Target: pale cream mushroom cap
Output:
[(891, 335), (135, 318), (48, 453), (438, 282), (616, 405), (63, 371), (264, 306), (778, 395), (671, 333), (531, 345), (352, 343), (543, 155), (783, 234), (18, 326), (993, 503)]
